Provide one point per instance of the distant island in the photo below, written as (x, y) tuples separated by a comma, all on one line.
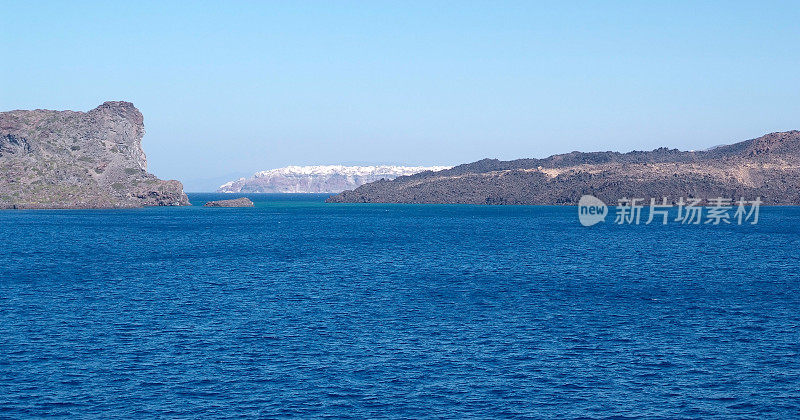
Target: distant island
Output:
[(766, 167), (68, 159), (319, 179)]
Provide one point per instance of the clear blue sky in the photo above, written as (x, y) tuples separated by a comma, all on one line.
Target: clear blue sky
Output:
[(228, 88)]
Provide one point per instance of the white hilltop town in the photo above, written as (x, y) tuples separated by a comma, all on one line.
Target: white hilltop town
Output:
[(319, 178)]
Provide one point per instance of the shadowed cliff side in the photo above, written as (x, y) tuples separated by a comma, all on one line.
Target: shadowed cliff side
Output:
[(68, 159), (766, 167)]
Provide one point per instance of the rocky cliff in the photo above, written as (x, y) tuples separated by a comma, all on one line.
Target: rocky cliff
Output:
[(766, 167), (319, 179), (68, 159)]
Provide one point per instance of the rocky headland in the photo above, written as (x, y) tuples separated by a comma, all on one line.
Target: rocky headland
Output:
[(766, 167), (236, 202), (69, 159)]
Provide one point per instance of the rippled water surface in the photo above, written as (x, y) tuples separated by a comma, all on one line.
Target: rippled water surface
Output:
[(298, 308)]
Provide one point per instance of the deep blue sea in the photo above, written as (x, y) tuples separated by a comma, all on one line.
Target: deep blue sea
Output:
[(297, 308)]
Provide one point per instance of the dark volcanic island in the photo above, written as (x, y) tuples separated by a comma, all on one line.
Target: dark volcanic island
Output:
[(68, 159), (766, 167)]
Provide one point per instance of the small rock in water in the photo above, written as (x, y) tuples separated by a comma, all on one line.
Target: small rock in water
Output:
[(238, 202)]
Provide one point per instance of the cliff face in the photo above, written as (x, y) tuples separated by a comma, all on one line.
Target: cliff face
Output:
[(319, 179), (766, 167), (67, 159)]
